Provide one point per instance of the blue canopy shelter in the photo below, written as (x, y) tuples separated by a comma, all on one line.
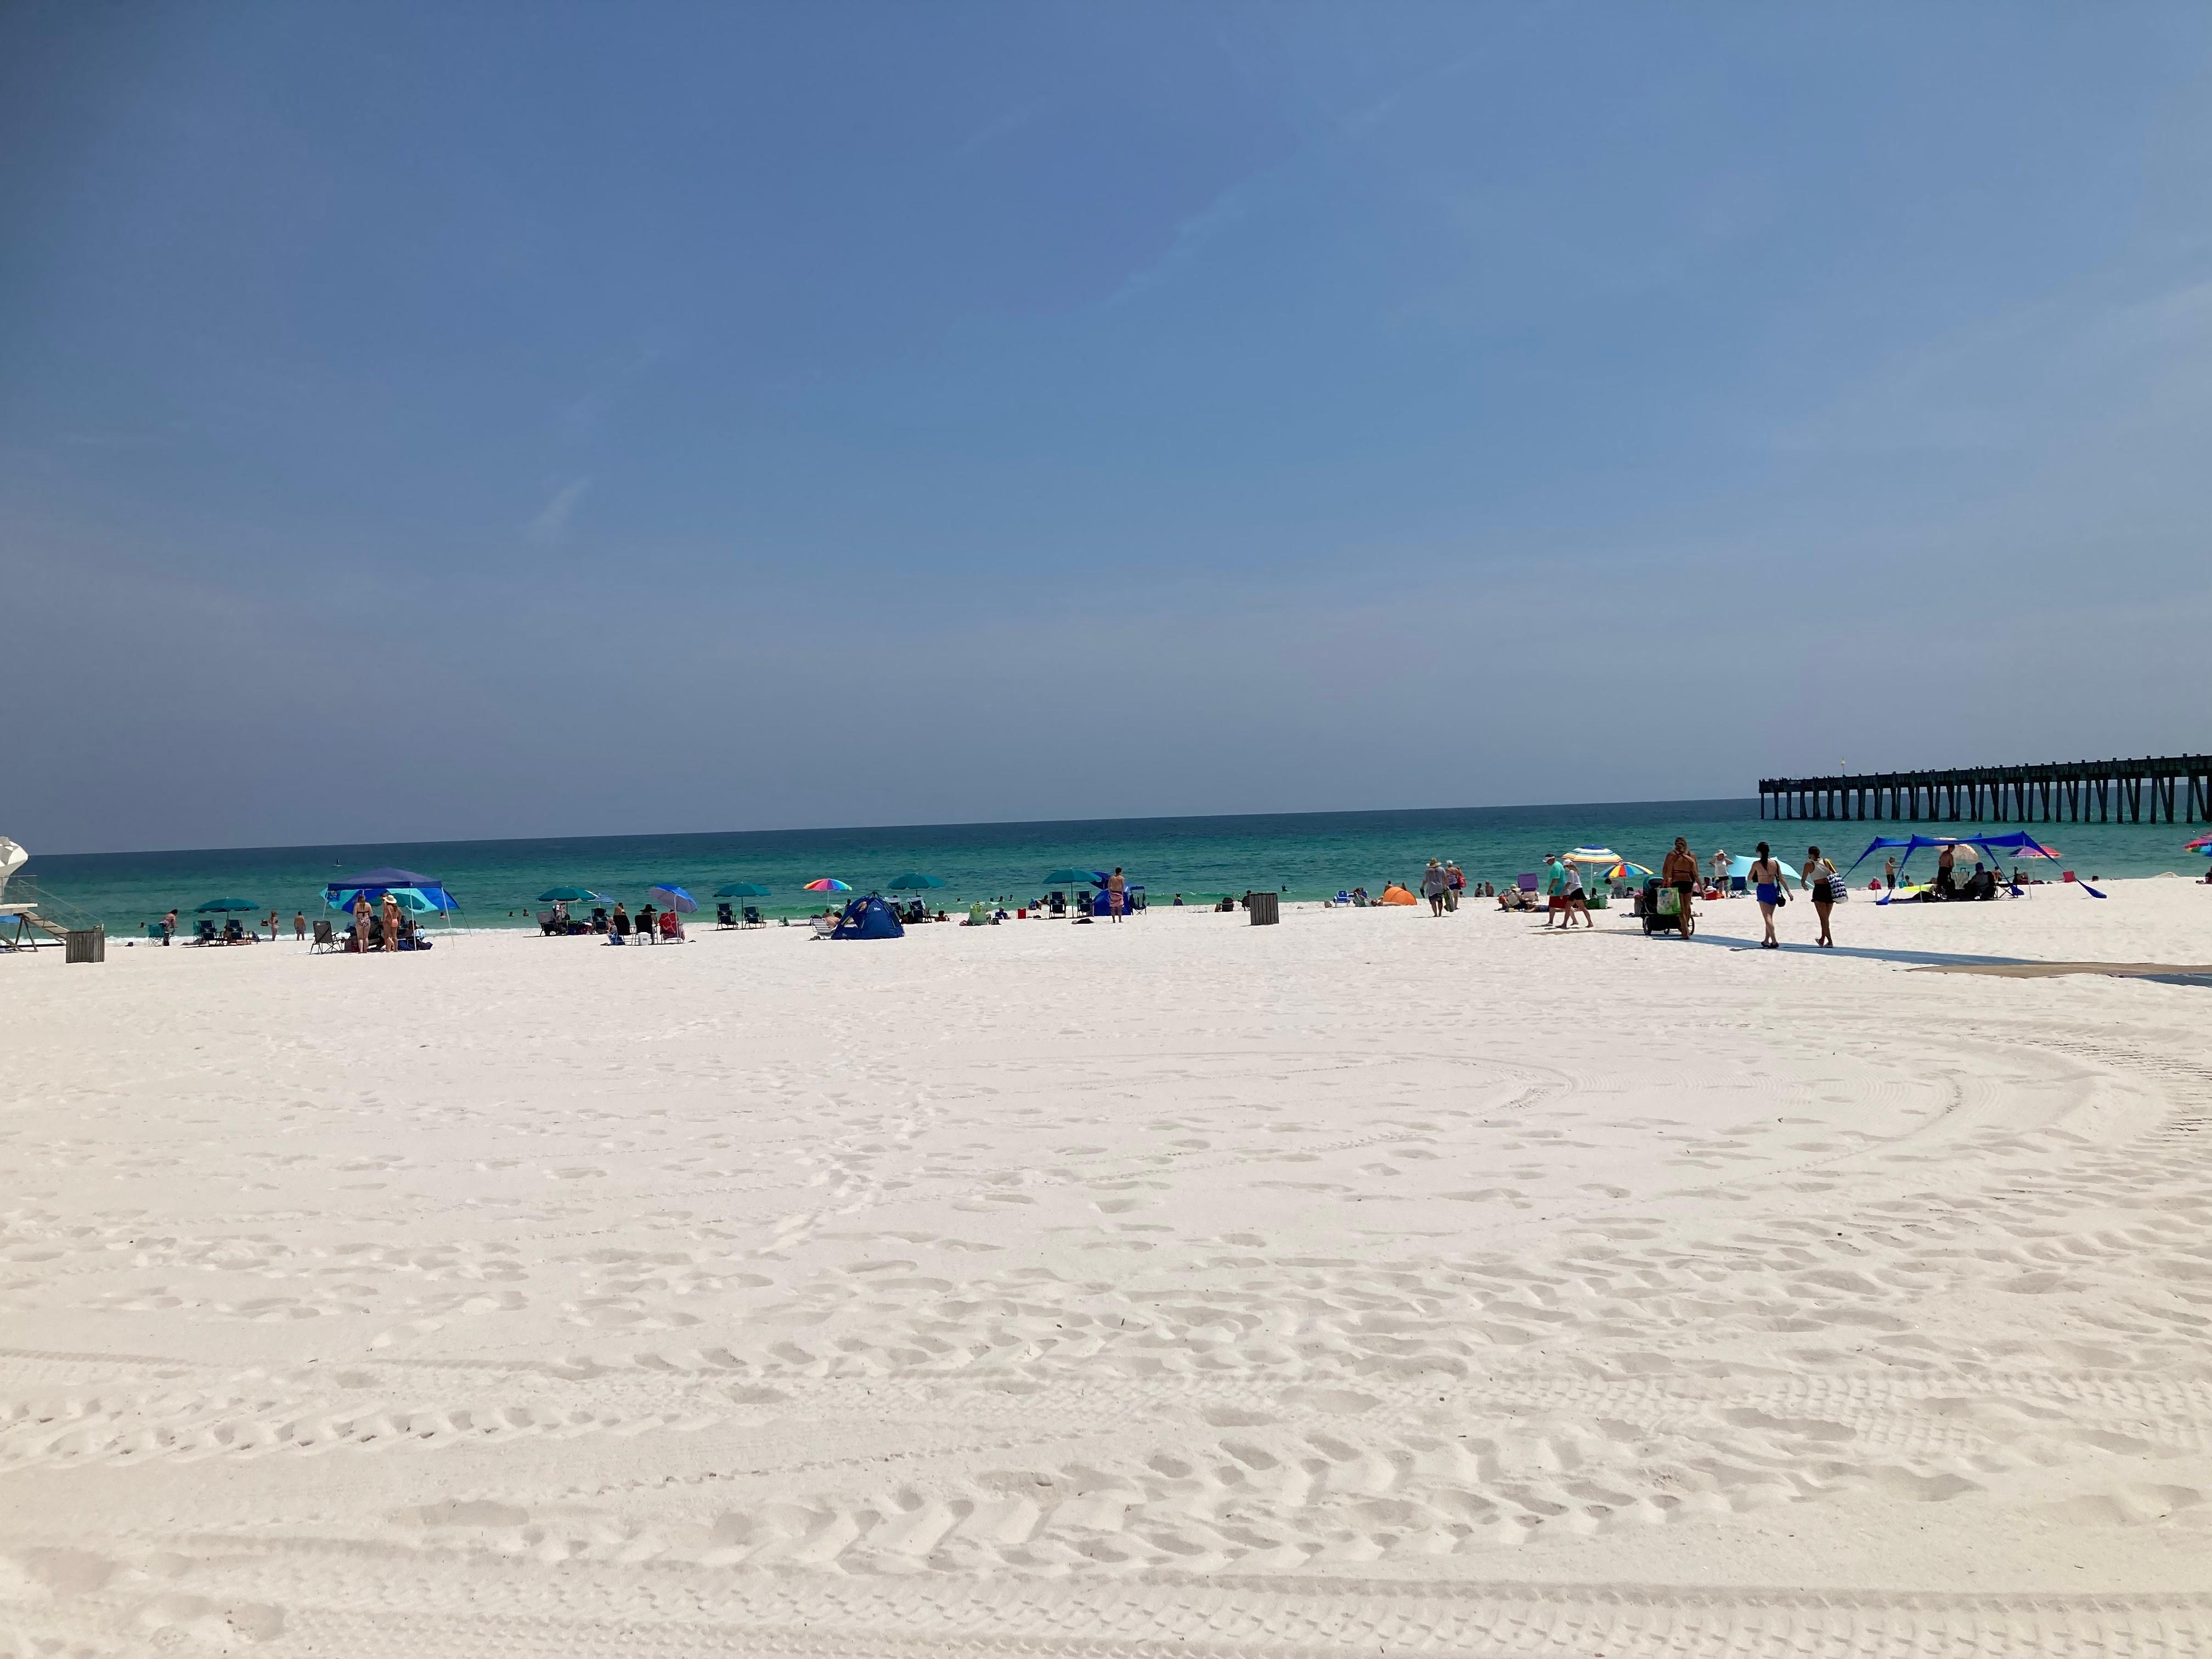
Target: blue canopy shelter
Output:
[(2018, 844), (374, 884), (868, 918)]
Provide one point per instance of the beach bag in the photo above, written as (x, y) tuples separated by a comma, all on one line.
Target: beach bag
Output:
[(1670, 902)]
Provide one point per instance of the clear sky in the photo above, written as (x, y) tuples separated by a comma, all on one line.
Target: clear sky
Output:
[(426, 420)]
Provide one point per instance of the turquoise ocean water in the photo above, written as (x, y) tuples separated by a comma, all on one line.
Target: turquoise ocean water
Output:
[(1306, 855)]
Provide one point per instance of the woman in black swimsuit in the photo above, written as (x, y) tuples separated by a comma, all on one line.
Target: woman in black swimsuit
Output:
[(1821, 880)]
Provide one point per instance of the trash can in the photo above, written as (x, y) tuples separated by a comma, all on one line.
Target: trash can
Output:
[(85, 945), (1267, 910)]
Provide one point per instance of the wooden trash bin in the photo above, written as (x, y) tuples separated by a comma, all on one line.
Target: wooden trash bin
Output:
[(1266, 910), (85, 945)]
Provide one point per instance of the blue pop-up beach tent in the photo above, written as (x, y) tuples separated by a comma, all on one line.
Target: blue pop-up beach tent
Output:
[(2018, 844), (868, 918)]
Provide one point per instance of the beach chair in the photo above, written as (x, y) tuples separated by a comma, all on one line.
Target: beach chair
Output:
[(824, 926), (551, 925), (233, 932), (156, 931), (724, 916), (1059, 904), (619, 929), (1525, 881), (671, 926), (325, 939), (753, 917)]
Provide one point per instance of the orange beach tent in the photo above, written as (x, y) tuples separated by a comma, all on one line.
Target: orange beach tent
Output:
[(1394, 894)]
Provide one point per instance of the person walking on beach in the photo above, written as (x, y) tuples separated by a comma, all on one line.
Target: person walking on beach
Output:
[(1117, 893), (1819, 877), (1889, 872), (1577, 898), (1432, 887), (1679, 870), (1766, 879), (1455, 883), (1555, 892)]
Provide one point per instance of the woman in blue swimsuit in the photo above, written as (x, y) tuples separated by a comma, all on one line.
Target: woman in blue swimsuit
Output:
[(1766, 876)]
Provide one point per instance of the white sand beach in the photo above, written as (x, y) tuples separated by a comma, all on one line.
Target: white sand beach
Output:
[(1367, 1285)]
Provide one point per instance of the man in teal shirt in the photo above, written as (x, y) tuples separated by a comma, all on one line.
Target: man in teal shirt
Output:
[(1555, 887)]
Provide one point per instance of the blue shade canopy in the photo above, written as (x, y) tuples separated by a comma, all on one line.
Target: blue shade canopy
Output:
[(741, 889), (671, 897), (221, 904), (2019, 842), (388, 876), (912, 883), (415, 899), (340, 897)]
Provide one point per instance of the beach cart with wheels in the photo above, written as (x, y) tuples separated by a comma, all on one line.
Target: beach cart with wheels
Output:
[(1661, 906)]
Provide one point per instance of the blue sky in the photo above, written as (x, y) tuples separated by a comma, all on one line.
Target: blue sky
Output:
[(437, 420)]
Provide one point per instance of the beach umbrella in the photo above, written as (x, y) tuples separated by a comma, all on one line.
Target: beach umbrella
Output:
[(673, 898), (2202, 844), (1631, 870), (1592, 856), (741, 889), (221, 904), (911, 883), (569, 895), (1064, 877), (828, 885)]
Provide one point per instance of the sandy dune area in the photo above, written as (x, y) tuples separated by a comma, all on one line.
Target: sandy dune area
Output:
[(1363, 1285)]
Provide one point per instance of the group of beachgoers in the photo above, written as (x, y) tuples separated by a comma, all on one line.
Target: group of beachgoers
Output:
[(1767, 882)]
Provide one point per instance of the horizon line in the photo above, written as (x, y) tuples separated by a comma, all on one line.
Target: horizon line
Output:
[(887, 828)]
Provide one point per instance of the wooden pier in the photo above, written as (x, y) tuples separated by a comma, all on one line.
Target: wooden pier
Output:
[(2177, 789)]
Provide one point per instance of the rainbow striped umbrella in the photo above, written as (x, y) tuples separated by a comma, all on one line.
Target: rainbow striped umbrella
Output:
[(828, 885)]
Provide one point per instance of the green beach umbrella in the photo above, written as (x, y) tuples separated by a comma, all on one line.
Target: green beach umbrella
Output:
[(567, 895), (221, 904), (741, 889), (911, 883), (1063, 877)]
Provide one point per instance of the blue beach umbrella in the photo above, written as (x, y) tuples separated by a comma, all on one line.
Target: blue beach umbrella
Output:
[(672, 897)]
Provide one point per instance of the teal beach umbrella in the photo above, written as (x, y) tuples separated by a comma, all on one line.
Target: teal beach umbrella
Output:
[(221, 904), (911, 883), (741, 889), (569, 895), (1063, 877)]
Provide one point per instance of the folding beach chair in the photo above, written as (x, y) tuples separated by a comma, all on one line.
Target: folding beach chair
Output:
[(325, 939), (753, 917), (723, 916)]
